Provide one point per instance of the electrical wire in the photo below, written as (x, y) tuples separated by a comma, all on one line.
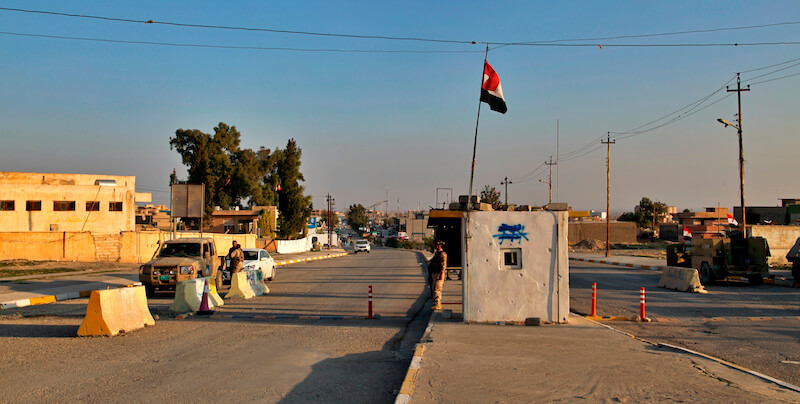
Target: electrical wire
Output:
[(774, 71), (417, 39), (767, 67), (777, 78), (260, 48)]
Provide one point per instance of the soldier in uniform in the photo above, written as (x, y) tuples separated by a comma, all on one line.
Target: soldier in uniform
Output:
[(237, 257), (436, 271)]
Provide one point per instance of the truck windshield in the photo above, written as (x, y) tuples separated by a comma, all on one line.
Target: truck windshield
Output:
[(181, 250)]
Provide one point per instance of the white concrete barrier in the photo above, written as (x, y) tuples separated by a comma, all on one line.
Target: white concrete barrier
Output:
[(682, 279), (189, 295)]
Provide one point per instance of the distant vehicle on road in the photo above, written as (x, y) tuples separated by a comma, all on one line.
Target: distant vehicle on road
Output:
[(254, 259), (717, 258), (179, 260), (361, 245)]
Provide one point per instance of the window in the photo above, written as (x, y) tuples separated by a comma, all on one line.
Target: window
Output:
[(512, 258), (33, 206), (92, 206), (115, 206), (63, 206), (6, 205)]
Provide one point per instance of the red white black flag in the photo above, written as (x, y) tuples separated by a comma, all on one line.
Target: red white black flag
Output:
[(491, 91)]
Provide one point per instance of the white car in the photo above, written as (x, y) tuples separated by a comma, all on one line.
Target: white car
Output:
[(361, 245), (255, 258)]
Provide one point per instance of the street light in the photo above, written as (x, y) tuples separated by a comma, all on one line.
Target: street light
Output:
[(726, 123)]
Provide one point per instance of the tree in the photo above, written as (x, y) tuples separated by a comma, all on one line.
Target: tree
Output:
[(491, 196), (357, 217), (644, 214), (328, 215), (293, 205)]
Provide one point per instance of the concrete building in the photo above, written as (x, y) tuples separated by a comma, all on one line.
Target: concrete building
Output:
[(415, 224), (68, 202), (711, 223), (244, 221), (152, 218)]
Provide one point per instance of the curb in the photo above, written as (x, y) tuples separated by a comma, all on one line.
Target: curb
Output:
[(16, 304), (777, 282), (302, 317), (622, 264), (321, 257), (407, 388)]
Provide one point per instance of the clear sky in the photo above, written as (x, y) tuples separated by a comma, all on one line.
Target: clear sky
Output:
[(371, 120)]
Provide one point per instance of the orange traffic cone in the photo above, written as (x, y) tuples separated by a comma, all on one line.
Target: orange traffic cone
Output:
[(205, 307)]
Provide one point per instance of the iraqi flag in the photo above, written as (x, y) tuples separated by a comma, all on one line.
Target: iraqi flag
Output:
[(732, 221), (491, 91), (686, 232)]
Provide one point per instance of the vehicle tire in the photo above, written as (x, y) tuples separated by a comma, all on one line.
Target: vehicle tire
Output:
[(796, 271), (149, 290), (706, 276), (757, 279), (274, 272)]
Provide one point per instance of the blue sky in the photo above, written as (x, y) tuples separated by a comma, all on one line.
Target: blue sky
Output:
[(367, 121)]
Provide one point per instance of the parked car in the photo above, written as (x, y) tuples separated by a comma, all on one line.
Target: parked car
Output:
[(361, 245), (178, 260), (254, 258)]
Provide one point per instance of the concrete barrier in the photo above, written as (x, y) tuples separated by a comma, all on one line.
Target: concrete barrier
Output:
[(240, 286), (189, 295), (257, 283), (112, 311), (683, 279)]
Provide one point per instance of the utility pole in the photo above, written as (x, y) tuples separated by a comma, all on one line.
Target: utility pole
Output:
[(506, 182), (330, 200), (608, 142), (738, 91), (550, 163)]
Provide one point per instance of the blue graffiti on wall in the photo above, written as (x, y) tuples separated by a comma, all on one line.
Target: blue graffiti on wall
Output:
[(511, 232)]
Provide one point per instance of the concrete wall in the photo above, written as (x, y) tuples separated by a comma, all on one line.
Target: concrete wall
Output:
[(77, 188), (538, 287), (779, 238), (620, 232), (127, 247), (299, 245)]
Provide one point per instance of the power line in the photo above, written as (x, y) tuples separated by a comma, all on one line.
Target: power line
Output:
[(774, 71), (767, 67), (777, 78), (417, 39), (235, 28), (187, 45)]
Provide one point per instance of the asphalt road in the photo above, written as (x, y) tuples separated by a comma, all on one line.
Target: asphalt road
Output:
[(246, 358), (757, 327)]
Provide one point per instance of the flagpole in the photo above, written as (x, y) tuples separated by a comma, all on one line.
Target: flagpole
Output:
[(465, 269)]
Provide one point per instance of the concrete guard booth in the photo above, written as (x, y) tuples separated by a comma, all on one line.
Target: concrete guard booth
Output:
[(517, 266)]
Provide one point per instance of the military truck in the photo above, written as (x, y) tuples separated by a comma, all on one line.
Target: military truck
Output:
[(179, 260), (794, 257), (717, 258)]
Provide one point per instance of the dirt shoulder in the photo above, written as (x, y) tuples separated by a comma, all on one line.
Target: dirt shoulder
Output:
[(26, 268)]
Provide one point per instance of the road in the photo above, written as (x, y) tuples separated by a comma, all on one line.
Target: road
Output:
[(757, 327), (247, 358)]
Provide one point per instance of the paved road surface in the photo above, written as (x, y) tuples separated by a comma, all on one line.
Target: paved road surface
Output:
[(232, 359), (753, 326)]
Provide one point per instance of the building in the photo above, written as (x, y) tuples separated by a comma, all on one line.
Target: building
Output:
[(37, 202), (711, 223), (244, 221), (415, 224), (151, 217)]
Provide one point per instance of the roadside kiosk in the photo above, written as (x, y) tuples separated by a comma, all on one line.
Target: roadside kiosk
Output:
[(515, 268)]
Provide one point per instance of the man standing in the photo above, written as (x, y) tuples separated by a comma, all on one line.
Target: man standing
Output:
[(237, 257), (436, 269)]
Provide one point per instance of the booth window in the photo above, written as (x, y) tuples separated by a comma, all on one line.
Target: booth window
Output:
[(6, 205), (512, 258), (115, 206), (33, 205), (92, 206)]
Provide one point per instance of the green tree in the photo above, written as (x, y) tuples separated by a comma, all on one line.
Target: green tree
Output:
[(327, 215), (210, 160), (644, 214), (265, 224), (491, 196), (357, 217), (293, 205)]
